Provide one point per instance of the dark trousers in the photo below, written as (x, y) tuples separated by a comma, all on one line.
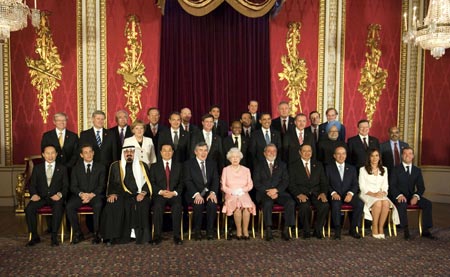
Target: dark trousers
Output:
[(75, 202), (424, 204), (211, 210), (356, 218), (285, 200), (159, 205), (305, 213), (31, 214)]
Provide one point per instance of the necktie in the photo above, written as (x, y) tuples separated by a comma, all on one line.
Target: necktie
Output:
[(267, 138), (49, 174), (253, 119), (99, 140), (315, 134), (167, 176), (154, 130), (205, 180), (175, 139), (208, 140), (247, 134), (308, 173), (236, 143), (407, 170), (283, 129), (366, 146), (61, 140), (88, 170), (300, 138), (271, 168), (341, 171), (122, 136), (396, 155), (186, 127)]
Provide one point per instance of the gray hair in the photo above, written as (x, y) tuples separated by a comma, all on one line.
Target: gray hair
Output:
[(98, 112), (121, 111), (233, 151), (60, 114)]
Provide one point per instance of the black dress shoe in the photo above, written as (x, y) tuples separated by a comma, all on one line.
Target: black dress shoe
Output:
[(156, 241), (33, 241), (406, 234), (55, 242), (428, 235), (230, 234), (337, 235), (246, 237), (306, 235), (96, 239), (269, 235), (210, 237), (318, 234), (77, 238), (177, 241), (353, 233), (285, 234), (197, 236)]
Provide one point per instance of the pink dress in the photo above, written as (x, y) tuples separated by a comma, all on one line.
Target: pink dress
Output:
[(236, 184)]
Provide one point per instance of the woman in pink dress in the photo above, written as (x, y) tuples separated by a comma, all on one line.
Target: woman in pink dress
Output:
[(236, 183)]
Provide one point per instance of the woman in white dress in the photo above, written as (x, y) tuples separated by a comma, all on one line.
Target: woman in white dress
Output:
[(145, 150), (373, 183)]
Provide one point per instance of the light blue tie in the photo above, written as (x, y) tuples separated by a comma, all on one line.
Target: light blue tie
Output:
[(99, 140), (267, 137), (341, 172)]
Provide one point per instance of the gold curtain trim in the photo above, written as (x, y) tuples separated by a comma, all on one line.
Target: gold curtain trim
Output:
[(199, 7), (245, 7)]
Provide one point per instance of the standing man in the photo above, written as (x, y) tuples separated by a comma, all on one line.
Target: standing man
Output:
[(344, 187), (153, 128), (48, 186), (262, 137), (360, 144), (284, 122), (202, 185), (246, 120), (314, 118), (296, 138), (186, 116), (271, 181), (166, 180), (326, 148), (391, 150), (177, 137), (235, 139), (406, 187), (121, 131), (220, 126), (255, 116), (87, 185), (308, 184), (332, 114)]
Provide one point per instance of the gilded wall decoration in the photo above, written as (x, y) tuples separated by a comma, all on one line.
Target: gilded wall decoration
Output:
[(45, 72), (294, 69), (373, 77), (132, 69)]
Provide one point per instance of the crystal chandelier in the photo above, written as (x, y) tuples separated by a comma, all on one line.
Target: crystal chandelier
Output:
[(434, 33), (13, 17)]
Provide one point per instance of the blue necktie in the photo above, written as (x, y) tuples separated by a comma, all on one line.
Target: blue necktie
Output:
[(99, 140), (267, 137)]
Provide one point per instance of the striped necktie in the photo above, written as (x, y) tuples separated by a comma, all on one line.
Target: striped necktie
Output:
[(99, 140)]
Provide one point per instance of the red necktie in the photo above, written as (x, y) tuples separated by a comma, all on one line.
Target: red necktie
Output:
[(167, 176), (283, 129), (396, 155), (300, 138), (154, 130)]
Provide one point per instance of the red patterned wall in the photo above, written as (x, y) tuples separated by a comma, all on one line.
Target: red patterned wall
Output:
[(28, 126), (436, 118), (359, 15), (306, 12), (150, 21)]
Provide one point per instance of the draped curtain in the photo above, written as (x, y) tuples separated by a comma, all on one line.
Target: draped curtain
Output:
[(221, 58)]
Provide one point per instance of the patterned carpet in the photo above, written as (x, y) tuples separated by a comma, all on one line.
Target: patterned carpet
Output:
[(348, 257)]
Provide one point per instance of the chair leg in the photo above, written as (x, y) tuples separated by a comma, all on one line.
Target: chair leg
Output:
[(389, 222), (225, 219), (218, 225), (261, 223), (62, 228), (420, 222), (296, 224), (253, 226), (329, 223), (279, 221), (181, 228), (363, 225), (190, 225)]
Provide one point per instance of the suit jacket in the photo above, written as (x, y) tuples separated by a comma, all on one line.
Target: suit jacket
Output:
[(263, 180), (349, 182), (68, 155), (356, 153), (59, 182), (221, 129), (193, 178), (158, 177), (115, 131), (277, 124), (401, 182), (215, 152), (146, 152), (252, 130), (325, 150), (228, 143), (323, 132), (181, 153), (387, 153), (258, 143), (80, 182), (192, 128), (256, 125), (299, 183), (291, 145), (107, 153), (148, 132)]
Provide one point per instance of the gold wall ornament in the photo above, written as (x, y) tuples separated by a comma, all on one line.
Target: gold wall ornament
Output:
[(294, 69), (132, 69), (373, 77), (45, 72)]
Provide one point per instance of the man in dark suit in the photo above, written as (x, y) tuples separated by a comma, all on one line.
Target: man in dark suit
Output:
[(65, 142), (246, 120), (236, 139), (262, 137), (255, 116), (166, 180), (153, 128), (48, 186), (331, 114), (103, 141), (296, 138), (177, 137), (343, 182), (284, 122), (308, 184), (220, 126), (314, 118), (121, 131), (271, 181), (87, 185), (406, 186), (325, 150), (186, 116), (202, 185), (359, 144), (391, 150)]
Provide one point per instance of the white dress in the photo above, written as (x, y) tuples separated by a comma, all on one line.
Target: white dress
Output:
[(146, 152), (374, 183)]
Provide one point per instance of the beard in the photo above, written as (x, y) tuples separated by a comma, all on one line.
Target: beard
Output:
[(129, 159)]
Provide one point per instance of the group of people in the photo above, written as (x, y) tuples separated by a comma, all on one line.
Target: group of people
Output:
[(128, 174)]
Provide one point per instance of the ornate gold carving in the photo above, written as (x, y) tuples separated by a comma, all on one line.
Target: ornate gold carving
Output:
[(321, 68), (132, 69), (7, 104), (294, 71), (20, 193), (45, 72), (373, 77), (80, 65), (103, 55)]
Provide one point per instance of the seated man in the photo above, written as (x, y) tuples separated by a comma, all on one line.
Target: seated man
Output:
[(344, 187), (48, 186), (326, 147), (308, 184), (271, 181), (406, 186), (126, 214), (88, 188), (165, 177), (202, 184)]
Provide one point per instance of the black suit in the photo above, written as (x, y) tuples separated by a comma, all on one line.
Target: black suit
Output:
[(249, 134), (279, 179), (357, 154), (311, 187), (221, 128), (258, 143), (277, 124), (68, 155), (325, 150), (256, 125), (193, 180), (388, 156), (192, 128), (38, 186), (148, 133), (115, 130), (215, 152), (95, 182), (159, 182), (107, 153), (291, 145), (349, 184), (181, 152), (323, 132), (228, 143), (409, 185)]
